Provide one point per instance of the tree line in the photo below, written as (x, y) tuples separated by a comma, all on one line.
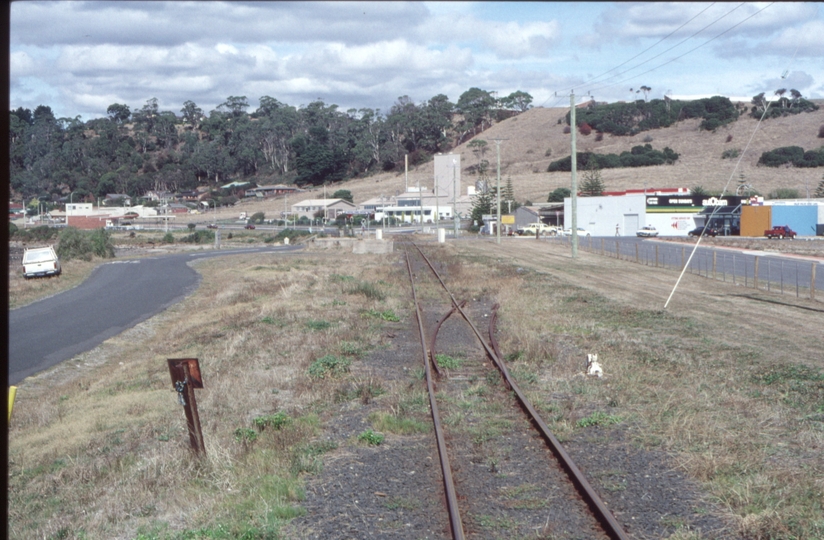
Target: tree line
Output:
[(134, 151)]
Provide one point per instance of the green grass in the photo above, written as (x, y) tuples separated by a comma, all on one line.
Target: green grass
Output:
[(328, 366), (371, 438), (448, 362), (386, 315), (318, 325), (597, 418), (400, 425)]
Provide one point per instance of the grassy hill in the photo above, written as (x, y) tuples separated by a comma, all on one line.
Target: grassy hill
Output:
[(530, 134)]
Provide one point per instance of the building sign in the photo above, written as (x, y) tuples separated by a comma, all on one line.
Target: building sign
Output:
[(690, 204)]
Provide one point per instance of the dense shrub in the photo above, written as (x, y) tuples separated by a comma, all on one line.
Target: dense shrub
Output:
[(794, 155), (783, 107), (168, 238), (12, 229), (584, 128), (199, 237), (639, 156), (257, 217), (729, 137), (76, 244), (731, 153), (632, 118), (821, 132), (567, 130), (41, 233), (599, 136)]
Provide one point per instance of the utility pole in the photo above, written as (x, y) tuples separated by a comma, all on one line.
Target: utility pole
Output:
[(406, 171), (574, 166), (498, 148), (420, 198), (454, 198)]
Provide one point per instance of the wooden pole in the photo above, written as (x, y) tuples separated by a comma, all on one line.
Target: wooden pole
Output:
[(812, 282)]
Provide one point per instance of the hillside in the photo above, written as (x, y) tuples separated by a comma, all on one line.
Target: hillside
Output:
[(531, 133)]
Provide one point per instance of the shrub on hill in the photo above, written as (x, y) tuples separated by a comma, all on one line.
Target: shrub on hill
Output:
[(633, 118), (783, 107), (794, 155), (639, 156)]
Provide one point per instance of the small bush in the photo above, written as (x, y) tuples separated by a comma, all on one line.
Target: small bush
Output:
[(585, 129), (821, 132), (12, 229), (648, 138), (448, 362), (328, 366), (275, 421), (729, 137), (567, 131), (368, 290), (549, 150), (168, 238), (732, 153), (199, 237), (77, 244), (599, 136), (257, 217), (191, 226), (370, 437), (387, 315)]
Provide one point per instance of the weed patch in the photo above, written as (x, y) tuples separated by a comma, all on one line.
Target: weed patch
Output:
[(328, 366)]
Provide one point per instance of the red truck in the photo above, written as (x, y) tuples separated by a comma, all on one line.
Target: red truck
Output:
[(780, 231)]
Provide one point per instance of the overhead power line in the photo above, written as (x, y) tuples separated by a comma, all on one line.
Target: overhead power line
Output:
[(686, 53)]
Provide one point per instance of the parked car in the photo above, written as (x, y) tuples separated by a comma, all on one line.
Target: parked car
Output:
[(780, 231), (647, 232), (581, 232), (533, 228), (41, 262), (249, 226), (211, 226), (706, 231)]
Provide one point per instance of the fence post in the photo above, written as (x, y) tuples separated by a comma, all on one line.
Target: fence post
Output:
[(755, 274), (617, 250), (636, 254), (812, 282), (714, 257), (656, 255), (683, 255), (603, 251)]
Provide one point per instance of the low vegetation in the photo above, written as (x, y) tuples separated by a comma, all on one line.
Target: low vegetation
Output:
[(639, 156), (792, 155)]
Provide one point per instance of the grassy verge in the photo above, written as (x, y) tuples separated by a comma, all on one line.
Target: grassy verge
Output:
[(25, 291), (105, 454)]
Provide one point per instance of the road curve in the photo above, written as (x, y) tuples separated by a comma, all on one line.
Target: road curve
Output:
[(117, 296)]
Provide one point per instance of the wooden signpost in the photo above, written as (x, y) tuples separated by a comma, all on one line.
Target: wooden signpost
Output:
[(186, 377)]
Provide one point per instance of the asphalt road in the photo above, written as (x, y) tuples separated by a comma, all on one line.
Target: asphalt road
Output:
[(117, 296)]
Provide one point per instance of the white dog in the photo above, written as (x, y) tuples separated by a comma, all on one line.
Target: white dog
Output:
[(593, 367)]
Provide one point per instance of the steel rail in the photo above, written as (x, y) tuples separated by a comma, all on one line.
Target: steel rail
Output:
[(434, 338), (449, 485), (602, 513)]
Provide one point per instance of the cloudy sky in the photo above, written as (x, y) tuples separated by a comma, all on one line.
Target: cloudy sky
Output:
[(81, 57)]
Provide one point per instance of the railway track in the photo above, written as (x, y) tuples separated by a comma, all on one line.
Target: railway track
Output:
[(440, 381)]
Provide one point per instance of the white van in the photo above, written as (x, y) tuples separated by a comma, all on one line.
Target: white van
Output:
[(40, 262)]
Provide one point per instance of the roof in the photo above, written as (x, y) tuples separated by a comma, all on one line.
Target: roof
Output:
[(322, 202)]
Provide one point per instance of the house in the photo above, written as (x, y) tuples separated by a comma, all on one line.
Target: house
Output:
[(331, 208), (177, 208), (265, 192), (116, 199)]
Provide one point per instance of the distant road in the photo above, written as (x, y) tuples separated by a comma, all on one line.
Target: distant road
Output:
[(117, 296)]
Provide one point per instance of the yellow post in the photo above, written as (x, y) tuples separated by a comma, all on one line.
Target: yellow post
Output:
[(12, 394)]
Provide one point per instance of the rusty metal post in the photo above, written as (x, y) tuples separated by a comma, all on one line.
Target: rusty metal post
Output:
[(186, 377)]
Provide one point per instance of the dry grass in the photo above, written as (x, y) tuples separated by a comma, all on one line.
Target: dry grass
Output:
[(24, 291), (98, 447)]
